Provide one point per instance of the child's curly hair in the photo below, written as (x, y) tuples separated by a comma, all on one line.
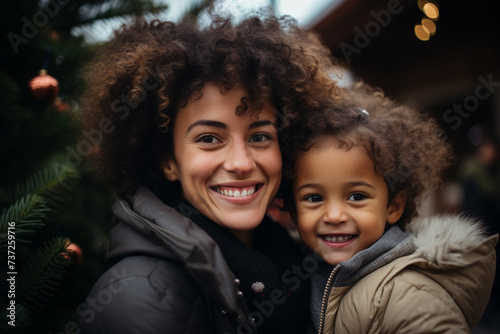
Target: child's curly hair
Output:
[(151, 69), (407, 147)]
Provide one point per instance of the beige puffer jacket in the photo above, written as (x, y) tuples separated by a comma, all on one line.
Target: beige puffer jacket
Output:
[(442, 287)]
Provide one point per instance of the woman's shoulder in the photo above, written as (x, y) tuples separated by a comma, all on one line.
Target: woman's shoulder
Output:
[(144, 272), (138, 288)]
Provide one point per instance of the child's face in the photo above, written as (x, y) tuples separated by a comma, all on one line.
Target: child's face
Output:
[(341, 201)]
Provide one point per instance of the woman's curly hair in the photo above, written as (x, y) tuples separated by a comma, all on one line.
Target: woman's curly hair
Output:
[(407, 147), (151, 69)]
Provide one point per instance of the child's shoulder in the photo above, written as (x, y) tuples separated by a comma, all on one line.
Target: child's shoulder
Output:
[(438, 280), (398, 298)]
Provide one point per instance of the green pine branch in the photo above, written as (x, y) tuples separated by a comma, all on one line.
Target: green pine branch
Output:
[(23, 320), (50, 183), (27, 213), (87, 12), (40, 276)]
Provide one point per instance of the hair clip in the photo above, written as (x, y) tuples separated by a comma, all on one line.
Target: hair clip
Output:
[(363, 111)]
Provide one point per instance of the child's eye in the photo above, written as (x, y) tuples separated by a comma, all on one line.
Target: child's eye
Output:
[(207, 139), (260, 137), (356, 197), (313, 198)]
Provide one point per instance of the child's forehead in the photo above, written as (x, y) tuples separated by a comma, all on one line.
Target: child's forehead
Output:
[(331, 167), (329, 142)]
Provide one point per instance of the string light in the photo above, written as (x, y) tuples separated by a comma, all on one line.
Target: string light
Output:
[(422, 33), (431, 26), (427, 27), (431, 11)]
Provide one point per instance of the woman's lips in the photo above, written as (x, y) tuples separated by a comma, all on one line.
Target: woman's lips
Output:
[(236, 192)]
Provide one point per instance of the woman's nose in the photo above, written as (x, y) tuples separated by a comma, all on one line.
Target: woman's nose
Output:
[(239, 159), (335, 213)]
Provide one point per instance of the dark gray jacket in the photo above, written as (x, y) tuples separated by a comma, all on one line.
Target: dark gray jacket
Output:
[(170, 268)]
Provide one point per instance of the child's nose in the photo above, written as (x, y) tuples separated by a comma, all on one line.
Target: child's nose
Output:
[(335, 213)]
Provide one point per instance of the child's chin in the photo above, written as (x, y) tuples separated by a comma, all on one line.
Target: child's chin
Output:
[(334, 260)]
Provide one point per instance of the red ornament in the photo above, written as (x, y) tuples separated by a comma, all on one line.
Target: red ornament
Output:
[(44, 88), (61, 106), (73, 253)]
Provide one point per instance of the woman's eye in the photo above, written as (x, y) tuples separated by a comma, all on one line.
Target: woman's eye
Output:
[(313, 198), (260, 137), (207, 139), (357, 197)]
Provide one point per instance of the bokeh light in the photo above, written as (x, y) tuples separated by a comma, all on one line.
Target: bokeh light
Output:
[(422, 33), (431, 11), (431, 26)]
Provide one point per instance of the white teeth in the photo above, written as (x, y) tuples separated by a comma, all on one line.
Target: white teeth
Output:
[(236, 193), (341, 238)]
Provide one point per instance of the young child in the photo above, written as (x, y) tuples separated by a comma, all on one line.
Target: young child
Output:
[(357, 176)]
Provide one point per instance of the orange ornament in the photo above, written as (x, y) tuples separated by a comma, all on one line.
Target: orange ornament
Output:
[(44, 88), (73, 253)]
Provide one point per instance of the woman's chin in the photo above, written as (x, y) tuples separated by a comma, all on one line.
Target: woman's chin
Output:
[(240, 221)]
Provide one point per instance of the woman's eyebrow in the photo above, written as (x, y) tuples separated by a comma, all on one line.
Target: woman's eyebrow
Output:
[(206, 122), (258, 124)]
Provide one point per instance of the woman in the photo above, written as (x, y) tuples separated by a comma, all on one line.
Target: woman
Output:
[(192, 119)]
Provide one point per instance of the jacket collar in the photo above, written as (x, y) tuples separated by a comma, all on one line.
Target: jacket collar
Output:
[(393, 244), (147, 226)]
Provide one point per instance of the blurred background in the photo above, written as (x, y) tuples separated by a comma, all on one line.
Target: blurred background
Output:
[(441, 56)]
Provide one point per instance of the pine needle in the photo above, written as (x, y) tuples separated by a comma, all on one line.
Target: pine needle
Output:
[(42, 273), (50, 183), (23, 320), (27, 214)]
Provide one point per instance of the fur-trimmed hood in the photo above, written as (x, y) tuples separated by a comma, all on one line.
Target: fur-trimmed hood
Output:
[(443, 285), (457, 253), (443, 240)]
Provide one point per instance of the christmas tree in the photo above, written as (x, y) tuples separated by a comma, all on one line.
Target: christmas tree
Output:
[(54, 218)]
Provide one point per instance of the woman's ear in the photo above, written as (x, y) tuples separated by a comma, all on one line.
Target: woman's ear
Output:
[(169, 167), (396, 207)]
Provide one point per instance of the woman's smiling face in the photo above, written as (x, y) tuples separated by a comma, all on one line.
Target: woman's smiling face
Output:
[(229, 165)]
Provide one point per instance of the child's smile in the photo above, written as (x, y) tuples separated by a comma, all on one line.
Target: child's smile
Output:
[(338, 240)]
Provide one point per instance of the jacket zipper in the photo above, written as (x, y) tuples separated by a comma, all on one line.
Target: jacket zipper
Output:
[(325, 298)]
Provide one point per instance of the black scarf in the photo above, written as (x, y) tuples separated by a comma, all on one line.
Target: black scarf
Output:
[(274, 285)]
